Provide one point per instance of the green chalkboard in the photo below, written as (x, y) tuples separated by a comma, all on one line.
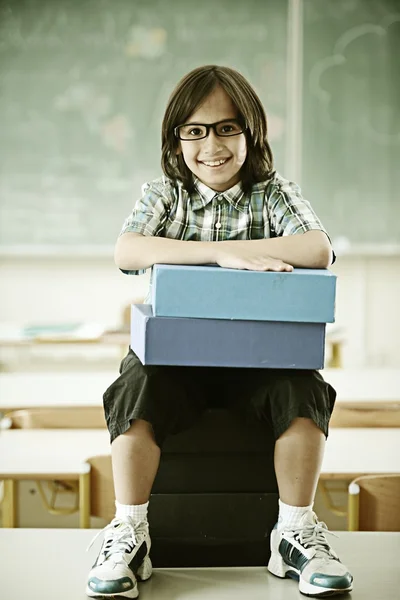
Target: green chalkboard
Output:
[(84, 84), (351, 118), (84, 88)]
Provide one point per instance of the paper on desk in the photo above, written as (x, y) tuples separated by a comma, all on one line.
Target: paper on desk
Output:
[(10, 332), (83, 331)]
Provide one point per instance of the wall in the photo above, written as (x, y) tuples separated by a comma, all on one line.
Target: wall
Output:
[(54, 290)]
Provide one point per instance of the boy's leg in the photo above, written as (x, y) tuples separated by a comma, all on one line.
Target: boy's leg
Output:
[(298, 406), (135, 460), (142, 407), (124, 556), (299, 548), (298, 458)]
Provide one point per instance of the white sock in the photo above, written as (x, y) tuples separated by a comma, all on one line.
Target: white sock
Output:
[(138, 512), (290, 516)]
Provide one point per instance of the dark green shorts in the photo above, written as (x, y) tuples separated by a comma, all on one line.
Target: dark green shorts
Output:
[(173, 398)]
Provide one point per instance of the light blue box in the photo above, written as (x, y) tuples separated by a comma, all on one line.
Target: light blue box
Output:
[(180, 341), (211, 292)]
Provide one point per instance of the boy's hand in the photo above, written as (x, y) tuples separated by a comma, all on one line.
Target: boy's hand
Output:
[(233, 255)]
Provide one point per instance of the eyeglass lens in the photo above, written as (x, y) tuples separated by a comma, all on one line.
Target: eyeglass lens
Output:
[(199, 131)]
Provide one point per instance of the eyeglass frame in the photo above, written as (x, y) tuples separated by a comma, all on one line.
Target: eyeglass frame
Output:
[(209, 126)]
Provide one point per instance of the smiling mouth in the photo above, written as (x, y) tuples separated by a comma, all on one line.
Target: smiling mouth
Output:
[(214, 163)]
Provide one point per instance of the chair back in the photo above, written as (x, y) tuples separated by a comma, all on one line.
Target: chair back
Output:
[(368, 414), (90, 417), (376, 506), (102, 496)]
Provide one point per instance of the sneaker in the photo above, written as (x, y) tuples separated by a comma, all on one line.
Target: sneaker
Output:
[(304, 554), (123, 559)]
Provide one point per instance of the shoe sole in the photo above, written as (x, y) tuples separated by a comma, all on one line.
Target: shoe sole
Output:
[(143, 573), (134, 593), (280, 569)]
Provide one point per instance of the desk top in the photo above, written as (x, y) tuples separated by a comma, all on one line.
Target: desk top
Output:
[(28, 452), (65, 333), (49, 452), (24, 390), (71, 565), (367, 384)]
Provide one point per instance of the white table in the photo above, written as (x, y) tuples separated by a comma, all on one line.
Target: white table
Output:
[(14, 336), (25, 390), (62, 574), (356, 451), (365, 384), (61, 454), (49, 453), (365, 397)]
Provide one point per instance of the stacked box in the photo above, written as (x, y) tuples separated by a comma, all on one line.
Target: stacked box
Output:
[(223, 343), (205, 292), (210, 316)]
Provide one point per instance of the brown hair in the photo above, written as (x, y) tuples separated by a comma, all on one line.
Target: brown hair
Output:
[(189, 93)]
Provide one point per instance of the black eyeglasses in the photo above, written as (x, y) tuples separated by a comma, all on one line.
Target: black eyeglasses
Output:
[(198, 131)]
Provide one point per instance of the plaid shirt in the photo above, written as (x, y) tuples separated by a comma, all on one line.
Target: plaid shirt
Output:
[(272, 208)]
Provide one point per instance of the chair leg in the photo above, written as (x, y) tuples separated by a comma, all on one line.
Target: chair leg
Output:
[(336, 356), (84, 499), (56, 488), (340, 511), (353, 507), (10, 503)]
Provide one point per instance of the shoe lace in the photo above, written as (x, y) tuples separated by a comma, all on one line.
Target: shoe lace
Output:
[(313, 536), (120, 535)]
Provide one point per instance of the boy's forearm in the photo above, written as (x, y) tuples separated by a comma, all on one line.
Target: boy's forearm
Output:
[(309, 250), (143, 252)]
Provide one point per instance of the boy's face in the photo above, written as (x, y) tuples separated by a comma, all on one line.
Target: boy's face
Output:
[(198, 154)]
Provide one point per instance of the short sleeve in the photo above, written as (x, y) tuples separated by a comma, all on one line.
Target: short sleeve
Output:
[(151, 210), (290, 213), (149, 213)]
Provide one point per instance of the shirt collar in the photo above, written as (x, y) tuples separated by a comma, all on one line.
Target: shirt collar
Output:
[(235, 196)]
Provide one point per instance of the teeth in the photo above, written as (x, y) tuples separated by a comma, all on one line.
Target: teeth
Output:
[(214, 163)]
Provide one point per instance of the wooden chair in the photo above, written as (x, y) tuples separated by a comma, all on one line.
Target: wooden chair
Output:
[(100, 500), (209, 477), (374, 503)]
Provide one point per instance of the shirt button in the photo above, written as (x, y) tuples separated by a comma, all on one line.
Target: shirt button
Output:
[(219, 198), (218, 225)]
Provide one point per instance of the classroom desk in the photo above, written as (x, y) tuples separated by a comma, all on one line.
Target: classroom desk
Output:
[(108, 338), (27, 454), (47, 454), (62, 574), (365, 384), (27, 390)]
